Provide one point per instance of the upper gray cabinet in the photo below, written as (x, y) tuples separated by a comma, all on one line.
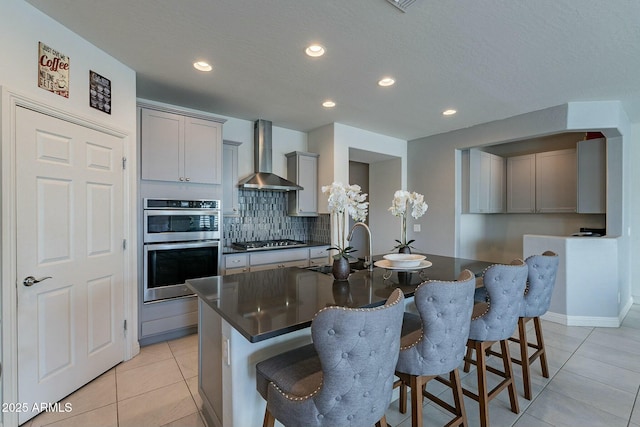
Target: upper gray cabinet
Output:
[(302, 168), (230, 191), (486, 182), (521, 184), (180, 148), (592, 176), (556, 181), (542, 182)]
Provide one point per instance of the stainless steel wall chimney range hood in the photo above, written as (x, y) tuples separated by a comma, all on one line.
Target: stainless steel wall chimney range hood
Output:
[(263, 178)]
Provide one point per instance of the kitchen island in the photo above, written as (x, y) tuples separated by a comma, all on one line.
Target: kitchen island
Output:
[(245, 318)]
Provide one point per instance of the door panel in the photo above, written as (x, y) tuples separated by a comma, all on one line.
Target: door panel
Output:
[(70, 225)]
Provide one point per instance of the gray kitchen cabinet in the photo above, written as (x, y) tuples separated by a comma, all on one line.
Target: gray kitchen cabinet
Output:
[(486, 182), (180, 148), (230, 191), (556, 187), (318, 255), (275, 258), (302, 168), (267, 260), (592, 176), (235, 263), (542, 182), (521, 184), (167, 319)]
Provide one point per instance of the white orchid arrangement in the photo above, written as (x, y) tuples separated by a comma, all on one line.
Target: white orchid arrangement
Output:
[(402, 199), (345, 200)]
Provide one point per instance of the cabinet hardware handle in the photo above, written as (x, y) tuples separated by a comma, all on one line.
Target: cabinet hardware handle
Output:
[(181, 179), (187, 179)]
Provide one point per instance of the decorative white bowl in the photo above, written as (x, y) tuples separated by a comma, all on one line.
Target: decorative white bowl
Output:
[(404, 260)]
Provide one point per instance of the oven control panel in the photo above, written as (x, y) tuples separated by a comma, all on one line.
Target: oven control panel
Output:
[(181, 204)]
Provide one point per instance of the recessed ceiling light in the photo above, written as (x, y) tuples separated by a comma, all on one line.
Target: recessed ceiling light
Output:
[(202, 66), (386, 81), (449, 112), (315, 50), (328, 104)]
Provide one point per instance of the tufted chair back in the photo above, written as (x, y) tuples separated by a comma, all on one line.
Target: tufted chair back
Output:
[(505, 286), (358, 350), (541, 281), (445, 312)]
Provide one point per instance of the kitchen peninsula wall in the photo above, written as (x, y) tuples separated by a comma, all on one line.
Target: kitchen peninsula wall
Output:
[(263, 216)]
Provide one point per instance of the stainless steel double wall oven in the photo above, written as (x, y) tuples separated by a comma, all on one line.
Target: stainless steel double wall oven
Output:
[(181, 242)]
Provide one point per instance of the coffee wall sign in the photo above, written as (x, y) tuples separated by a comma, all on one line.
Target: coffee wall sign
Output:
[(53, 70), (99, 92)]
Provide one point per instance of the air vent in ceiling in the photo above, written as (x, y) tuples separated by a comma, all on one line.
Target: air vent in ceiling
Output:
[(402, 4)]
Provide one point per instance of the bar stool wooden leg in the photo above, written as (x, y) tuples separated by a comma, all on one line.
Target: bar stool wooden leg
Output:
[(508, 369), (467, 359), (269, 419), (402, 404), (417, 382), (543, 354), (483, 394), (382, 422), (524, 357), (458, 398)]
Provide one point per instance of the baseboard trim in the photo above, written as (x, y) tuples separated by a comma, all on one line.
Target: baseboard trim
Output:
[(590, 321)]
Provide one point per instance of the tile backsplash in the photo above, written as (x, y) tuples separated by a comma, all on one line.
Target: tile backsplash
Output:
[(263, 216)]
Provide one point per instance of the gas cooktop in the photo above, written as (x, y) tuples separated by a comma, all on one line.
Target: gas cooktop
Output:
[(268, 244)]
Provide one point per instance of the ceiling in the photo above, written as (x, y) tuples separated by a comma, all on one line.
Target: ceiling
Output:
[(488, 59)]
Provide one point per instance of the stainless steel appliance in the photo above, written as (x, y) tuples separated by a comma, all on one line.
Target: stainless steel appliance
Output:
[(264, 178), (268, 244), (181, 242)]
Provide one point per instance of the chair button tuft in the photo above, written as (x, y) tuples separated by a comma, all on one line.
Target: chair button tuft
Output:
[(320, 416), (350, 417), (356, 376), (345, 355), (362, 333), (366, 394), (331, 332), (338, 398)]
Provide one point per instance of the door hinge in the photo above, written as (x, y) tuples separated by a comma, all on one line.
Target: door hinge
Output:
[(124, 244), (125, 325), (124, 163)]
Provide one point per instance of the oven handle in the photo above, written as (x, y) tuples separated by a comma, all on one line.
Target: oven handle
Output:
[(181, 245), (181, 212)]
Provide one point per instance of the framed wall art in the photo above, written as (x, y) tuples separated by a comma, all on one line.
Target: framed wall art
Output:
[(53, 70), (99, 92)]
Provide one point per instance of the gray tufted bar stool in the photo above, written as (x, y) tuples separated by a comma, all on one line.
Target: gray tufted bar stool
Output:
[(433, 344), (537, 298), (345, 378), (494, 320)]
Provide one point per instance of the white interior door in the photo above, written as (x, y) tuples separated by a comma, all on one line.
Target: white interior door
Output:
[(69, 215)]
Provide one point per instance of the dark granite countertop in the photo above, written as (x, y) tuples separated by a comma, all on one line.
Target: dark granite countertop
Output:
[(233, 250), (265, 304)]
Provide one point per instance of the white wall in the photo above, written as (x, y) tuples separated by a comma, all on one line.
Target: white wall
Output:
[(384, 180), (21, 28), (633, 209), (333, 143), (284, 141), (433, 162)]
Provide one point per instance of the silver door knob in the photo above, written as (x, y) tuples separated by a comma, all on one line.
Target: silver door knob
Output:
[(30, 280)]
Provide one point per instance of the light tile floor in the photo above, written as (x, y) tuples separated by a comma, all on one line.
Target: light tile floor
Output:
[(594, 381)]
